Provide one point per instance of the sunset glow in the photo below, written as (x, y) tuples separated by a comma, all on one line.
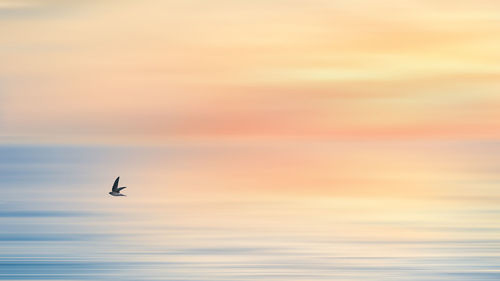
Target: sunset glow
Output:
[(277, 140), (152, 71)]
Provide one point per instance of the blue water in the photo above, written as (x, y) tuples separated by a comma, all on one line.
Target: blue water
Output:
[(179, 221)]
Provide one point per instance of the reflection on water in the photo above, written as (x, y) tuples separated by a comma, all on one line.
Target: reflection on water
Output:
[(398, 211)]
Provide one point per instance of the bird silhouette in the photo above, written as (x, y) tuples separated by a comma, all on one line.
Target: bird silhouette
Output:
[(115, 191)]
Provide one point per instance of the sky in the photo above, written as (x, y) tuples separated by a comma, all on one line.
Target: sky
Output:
[(155, 71)]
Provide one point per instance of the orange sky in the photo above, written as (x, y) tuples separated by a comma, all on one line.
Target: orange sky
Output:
[(117, 71)]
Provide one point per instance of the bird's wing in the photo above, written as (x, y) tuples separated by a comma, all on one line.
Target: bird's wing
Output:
[(115, 185), (119, 189)]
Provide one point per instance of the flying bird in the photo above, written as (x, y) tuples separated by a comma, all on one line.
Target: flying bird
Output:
[(115, 191)]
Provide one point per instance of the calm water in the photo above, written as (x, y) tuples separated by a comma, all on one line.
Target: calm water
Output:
[(295, 211)]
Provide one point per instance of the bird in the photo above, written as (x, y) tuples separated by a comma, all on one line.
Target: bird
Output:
[(115, 191)]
